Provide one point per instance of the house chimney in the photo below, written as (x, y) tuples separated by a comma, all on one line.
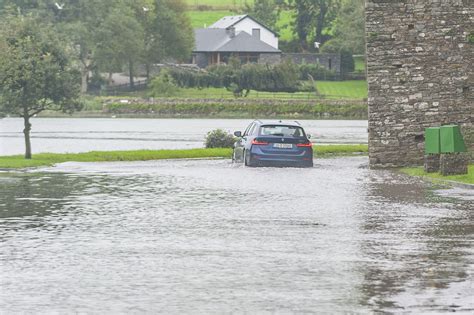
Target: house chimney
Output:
[(231, 32)]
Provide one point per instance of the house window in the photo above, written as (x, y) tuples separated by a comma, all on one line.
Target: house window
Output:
[(248, 58), (256, 33), (330, 63)]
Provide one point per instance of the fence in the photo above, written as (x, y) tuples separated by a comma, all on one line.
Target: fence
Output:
[(140, 85)]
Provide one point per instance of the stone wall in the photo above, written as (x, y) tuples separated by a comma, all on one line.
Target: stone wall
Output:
[(329, 61), (201, 59), (420, 72), (270, 58)]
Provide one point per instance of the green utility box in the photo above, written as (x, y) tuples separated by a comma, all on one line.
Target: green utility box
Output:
[(451, 139), (432, 140)]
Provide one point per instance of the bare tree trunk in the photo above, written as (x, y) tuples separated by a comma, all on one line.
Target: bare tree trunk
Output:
[(148, 71), (26, 131), (84, 76), (86, 67), (130, 69), (110, 79)]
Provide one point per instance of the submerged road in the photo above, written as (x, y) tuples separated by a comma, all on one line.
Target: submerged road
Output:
[(202, 236)]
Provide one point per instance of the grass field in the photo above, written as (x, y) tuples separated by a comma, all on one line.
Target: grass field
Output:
[(359, 63), (48, 159), (418, 171), (216, 4), (202, 19), (328, 89)]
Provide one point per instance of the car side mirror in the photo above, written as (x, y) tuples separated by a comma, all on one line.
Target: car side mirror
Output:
[(238, 134), (308, 136)]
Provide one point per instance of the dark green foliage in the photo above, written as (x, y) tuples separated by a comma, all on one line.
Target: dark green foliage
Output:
[(35, 72), (218, 138), (316, 72), (349, 28), (240, 80), (163, 85), (470, 38), (265, 11), (249, 109), (313, 18)]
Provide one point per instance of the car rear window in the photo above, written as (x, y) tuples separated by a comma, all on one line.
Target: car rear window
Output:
[(282, 131)]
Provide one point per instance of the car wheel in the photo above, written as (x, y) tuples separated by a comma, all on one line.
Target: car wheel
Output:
[(247, 158)]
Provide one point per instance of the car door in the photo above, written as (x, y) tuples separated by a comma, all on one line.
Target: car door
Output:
[(241, 143)]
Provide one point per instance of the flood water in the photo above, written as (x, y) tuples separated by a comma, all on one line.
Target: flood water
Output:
[(61, 135), (205, 236)]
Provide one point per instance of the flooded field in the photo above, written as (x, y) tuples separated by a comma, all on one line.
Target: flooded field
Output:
[(61, 135), (205, 236)]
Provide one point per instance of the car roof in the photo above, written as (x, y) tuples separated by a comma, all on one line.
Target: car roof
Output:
[(278, 123)]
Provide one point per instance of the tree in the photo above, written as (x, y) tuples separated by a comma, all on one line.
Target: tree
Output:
[(80, 20), (168, 32), (120, 42), (312, 17), (35, 72), (266, 12), (349, 28)]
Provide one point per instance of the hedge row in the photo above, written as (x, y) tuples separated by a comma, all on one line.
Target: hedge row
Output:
[(358, 111)]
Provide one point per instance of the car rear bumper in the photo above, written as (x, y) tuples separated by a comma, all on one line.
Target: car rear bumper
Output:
[(302, 159)]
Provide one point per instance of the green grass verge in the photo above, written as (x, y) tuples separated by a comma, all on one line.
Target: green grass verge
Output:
[(353, 89), (418, 171), (340, 150), (359, 63), (48, 159)]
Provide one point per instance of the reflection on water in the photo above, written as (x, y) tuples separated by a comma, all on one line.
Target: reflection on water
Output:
[(61, 135), (207, 236)]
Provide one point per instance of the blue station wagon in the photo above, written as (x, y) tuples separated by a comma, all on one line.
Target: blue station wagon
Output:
[(273, 144)]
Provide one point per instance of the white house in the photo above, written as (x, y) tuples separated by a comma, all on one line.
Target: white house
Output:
[(240, 37), (249, 25)]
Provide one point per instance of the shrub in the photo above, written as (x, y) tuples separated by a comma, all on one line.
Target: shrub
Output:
[(219, 138), (470, 38), (317, 72), (163, 85)]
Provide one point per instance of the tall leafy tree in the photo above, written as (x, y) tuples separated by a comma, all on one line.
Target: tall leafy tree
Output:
[(80, 20), (349, 28), (312, 17), (265, 11), (35, 72), (120, 41), (168, 32)]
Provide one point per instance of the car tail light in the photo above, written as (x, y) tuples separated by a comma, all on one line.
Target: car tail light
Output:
[(309, 144), (259, 142)]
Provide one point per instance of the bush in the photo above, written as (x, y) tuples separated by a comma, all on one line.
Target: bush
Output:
[(218, 138), (241, 79), (317, 72), (163, 85)]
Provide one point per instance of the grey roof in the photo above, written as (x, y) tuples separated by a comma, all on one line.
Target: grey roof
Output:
[(228, 21), (231, 20), (219, 40)]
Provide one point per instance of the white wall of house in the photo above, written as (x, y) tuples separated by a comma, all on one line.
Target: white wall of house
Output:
[(247, 25)]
